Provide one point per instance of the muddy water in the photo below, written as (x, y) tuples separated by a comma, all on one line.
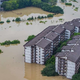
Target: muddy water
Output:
[(12, 66)]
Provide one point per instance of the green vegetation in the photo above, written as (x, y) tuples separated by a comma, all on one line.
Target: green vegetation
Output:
[(31, 18), (58, 49), (9, 26), (27, 23), (50, 15), (76, 77), (8, 21), (1, 22), (1, 51), (70, 4), (40, 17), (18, 19), (61, 19), (30, 37), (76, 9), (51, 2), (23, 54), (10, 42), (62, 1), (43, 4), (42, 22), (49, 70), (76, 34)]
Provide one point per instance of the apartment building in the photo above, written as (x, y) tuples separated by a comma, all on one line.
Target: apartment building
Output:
[(76, 23), (69, 29), (67, 62), (41, 48)]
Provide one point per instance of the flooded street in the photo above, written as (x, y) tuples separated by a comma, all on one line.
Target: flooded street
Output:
[(12, 65)]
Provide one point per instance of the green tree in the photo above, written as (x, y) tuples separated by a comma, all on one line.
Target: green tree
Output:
[(49, 70), (76, 77), (30, 37)]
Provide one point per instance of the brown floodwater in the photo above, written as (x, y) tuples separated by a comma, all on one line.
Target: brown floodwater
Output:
[(12, 65)]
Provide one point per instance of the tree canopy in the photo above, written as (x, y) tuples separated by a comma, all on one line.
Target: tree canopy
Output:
[(46, 5)]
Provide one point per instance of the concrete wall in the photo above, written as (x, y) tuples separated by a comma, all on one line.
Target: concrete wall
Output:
[(56, 64), (76, 29), (27, 53), (67, 34), (39, 55), (70, 69)]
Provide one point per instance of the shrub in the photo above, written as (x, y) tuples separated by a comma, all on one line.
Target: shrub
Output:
[(76, 77), (1, 22), (1, 51), (31, 18), (13, 20), (70, 4), (10, 42), (8, 20), (6, 42), (42, 22), (27, 23), (15, 42), (51, 61), (50, 15), (49, 70), (18, 19), (30, 37)]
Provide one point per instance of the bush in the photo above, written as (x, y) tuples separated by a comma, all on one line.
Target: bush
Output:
[(49, 70), (8, 20), (70, 4), (15, 42), (42, 22), (13, 20), (1, 22), (50, 15), (76, 77), (27, 23), (30, 37), (1, 51), (31, 18), (50, 61), (10, 42), (18, 19)]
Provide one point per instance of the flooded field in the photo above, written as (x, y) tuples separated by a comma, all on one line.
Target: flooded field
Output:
[(12, 65)]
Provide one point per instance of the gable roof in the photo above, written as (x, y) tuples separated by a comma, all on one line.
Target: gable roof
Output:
[(68, 25), (39, 36), (52, 35), (43, 43)]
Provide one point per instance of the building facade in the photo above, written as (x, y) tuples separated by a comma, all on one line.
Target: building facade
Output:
[(67, 62)]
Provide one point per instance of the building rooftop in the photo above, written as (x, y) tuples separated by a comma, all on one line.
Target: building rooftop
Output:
[(72, 41), (59, 29), (43, 43), (52, 35), (67, 47), (68, 25), (39, 36), (76, 37), (72, 56)]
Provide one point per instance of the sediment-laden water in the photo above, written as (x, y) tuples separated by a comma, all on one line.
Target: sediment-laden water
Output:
[(12, 65)]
